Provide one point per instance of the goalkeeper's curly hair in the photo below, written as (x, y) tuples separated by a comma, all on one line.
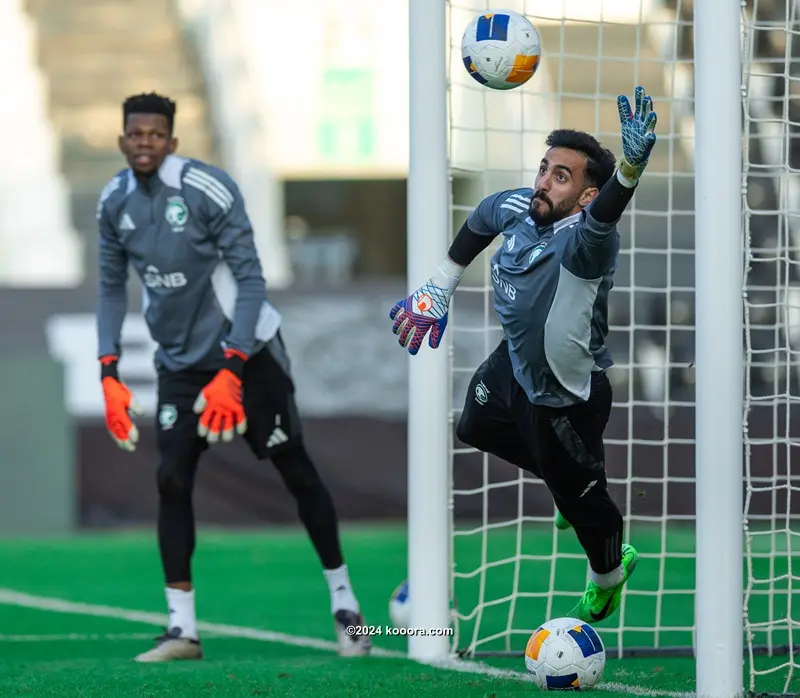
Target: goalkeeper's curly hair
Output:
[(149, 103), (600, 163)]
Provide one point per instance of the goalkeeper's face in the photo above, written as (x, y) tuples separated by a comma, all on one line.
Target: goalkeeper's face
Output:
[(560, 189), (146, 142)]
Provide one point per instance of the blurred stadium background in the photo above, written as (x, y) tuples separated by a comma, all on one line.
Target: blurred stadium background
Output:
[(320, 151)]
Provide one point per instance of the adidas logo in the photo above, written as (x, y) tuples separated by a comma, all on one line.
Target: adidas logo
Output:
[(126, 223), (278, 436)]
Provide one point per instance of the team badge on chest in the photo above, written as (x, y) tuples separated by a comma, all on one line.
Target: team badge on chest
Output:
[(176, 213), (536, 252)]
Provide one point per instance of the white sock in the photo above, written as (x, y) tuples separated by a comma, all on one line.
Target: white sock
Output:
[(181, 612), (342, 596), (609, 579)]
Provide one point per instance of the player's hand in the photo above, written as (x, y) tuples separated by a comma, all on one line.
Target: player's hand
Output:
[(120, 405), (219, 404), (425, 309), (638, 133)]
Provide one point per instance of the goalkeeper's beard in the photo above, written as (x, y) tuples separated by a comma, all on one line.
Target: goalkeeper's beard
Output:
[(552, 214)]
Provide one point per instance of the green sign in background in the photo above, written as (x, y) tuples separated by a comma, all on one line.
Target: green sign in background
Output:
[(346, 131)]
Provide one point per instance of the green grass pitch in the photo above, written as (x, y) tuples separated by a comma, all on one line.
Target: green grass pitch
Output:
[(251, 584)]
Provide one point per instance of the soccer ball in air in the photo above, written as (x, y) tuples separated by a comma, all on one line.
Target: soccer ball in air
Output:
[(565, 654), (501, 49), (399, 611)]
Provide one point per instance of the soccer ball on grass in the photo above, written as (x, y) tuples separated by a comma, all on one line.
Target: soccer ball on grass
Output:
[(399, 611), (400, 607), (565, 654), (501, 49)]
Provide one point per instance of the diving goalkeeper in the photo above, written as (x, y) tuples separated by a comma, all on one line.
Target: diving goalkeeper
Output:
[(542, 399)]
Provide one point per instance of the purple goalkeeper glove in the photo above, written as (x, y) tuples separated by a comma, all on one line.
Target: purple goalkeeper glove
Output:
[(426, 309)]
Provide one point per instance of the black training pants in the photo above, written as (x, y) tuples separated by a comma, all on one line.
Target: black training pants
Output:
[(273, 432), (562, 446)]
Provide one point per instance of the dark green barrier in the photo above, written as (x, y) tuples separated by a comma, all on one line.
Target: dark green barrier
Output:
[(37, 448)]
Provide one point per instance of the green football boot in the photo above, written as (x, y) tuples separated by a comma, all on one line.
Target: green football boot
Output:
[(598, 604), (561, 523)]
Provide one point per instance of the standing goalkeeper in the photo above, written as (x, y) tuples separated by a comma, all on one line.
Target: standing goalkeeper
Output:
[(222, 367), (542, 399)]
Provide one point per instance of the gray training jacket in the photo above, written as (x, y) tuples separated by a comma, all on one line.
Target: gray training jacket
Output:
[(188, 236), (551, 287)]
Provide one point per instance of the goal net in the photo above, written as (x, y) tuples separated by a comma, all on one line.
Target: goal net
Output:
[(511, 569)]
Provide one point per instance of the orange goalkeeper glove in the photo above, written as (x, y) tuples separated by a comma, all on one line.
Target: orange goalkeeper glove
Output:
[(220, 402), (120, 405)]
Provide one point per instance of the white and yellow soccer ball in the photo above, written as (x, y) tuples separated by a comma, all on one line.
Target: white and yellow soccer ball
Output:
[(501, 49), (565, 654)]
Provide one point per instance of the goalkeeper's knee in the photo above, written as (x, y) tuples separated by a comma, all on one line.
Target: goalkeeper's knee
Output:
[(175, 480), (297, 469)]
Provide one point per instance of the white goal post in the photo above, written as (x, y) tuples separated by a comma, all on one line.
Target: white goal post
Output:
[(704, 330), (719, 322), (428, 238)]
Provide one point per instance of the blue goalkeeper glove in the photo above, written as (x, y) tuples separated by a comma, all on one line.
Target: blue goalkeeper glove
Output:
[(638, 137), (426, 309)]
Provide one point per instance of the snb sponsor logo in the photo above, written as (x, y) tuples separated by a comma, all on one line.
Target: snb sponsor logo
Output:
[(502, 284), (153, 278)]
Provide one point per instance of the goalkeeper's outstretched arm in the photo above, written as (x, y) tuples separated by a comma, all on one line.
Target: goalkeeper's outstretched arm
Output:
[(612, 200), (592, 250), (486, 221), (467, 245), (637, 127), (426, 310)]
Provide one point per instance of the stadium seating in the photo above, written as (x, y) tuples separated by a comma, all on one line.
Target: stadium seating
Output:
[(40, 247), (230, 55)]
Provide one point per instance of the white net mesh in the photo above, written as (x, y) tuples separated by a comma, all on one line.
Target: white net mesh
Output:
[(511, 568), (772, 323)]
